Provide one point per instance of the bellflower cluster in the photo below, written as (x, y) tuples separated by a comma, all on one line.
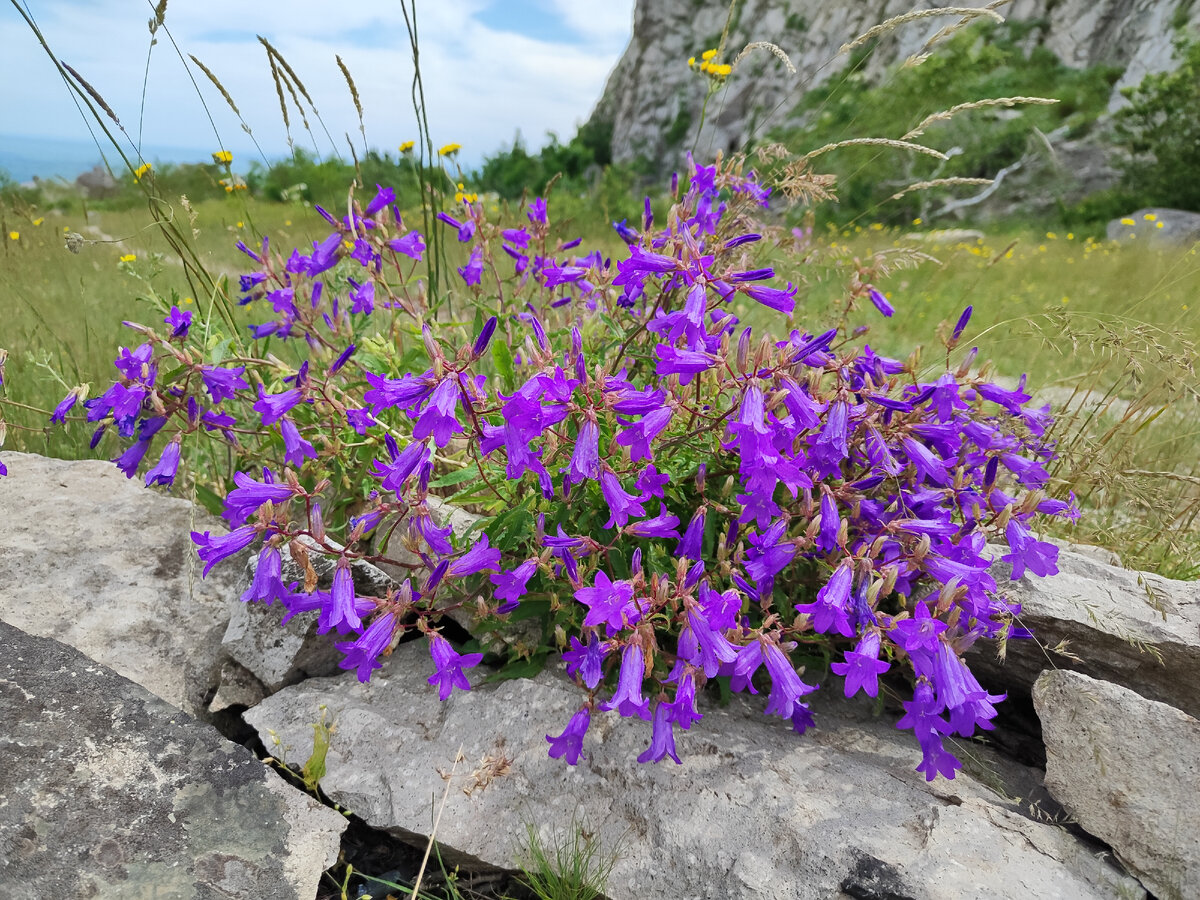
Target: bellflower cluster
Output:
[(666, 498)]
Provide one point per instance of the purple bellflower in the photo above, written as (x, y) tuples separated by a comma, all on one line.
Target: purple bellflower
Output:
[(568, 746), (449, 666)]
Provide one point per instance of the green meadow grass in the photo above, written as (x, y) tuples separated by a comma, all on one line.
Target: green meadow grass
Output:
[(1106, 334)]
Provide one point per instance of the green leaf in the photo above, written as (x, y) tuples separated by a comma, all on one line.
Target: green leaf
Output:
[(209, 500), (219, 351), (456, 477), (502, 356)]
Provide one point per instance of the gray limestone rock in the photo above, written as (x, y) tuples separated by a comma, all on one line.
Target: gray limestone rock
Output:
[(102, 563), (1159, 226), (754, 811), (1128, 770), (652, 88), (109, 792), (1138, 630)]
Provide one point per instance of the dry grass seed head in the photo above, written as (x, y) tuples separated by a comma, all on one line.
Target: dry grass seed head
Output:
[(975, 104), (967, 12), (95, 95), (773, 49), (217, 84)]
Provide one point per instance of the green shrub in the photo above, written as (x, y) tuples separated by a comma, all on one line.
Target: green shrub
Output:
[(1160, 129), (985, 62)]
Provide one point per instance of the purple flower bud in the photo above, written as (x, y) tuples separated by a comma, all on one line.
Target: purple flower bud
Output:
[(539, 332), (742, 239), (743, 349), (342, 359), (881, 303), (961, 323), (485, 337), (435, 577)]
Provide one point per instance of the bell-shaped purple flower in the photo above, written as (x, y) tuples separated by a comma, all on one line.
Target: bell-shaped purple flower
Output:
[(295, 448), (267, 584), (472, 272), (690, 545), (585, 662), (363, 654), (411, 245), (569, 745), (449, 666), (212, 550), (863, 666), (683, 708), (662, 738), (223, 384), (628, 700), (166, 467), (438, 417), (511, 586), (609, 602), (621, 504)]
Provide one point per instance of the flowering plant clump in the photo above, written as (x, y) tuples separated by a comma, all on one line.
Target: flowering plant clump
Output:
[(671, 498)]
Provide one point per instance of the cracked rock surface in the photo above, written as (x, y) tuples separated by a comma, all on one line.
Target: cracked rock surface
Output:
[(754, 812), (101, 563), (1128, 770), (109, 792)]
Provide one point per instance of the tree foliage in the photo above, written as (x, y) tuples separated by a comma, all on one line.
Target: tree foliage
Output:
[(1160, 129)]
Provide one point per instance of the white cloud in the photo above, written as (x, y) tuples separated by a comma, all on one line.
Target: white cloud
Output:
[(481, 83)]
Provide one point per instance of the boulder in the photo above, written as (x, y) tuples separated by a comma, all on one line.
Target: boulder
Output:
[(98, 183), (102, 563), (1135, 629), (754, 812), (110, 792), (1170, 227), (1127, 769)]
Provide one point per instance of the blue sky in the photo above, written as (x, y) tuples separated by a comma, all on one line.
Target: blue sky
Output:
[(490, 68)]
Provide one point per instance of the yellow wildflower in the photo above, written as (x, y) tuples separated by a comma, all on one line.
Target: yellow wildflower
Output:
[(14, 235), (1150, 217), (1128, 221), (917, 220), (449, 149), (691, 62), (222, 157), (187, 300), (39, 220), (140, 171), (128, 257), (708, 54), (241, 225), (1156, 224), (722, 70), (407, 146)]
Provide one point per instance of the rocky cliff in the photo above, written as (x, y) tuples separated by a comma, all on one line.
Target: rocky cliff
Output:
[(653, 100)]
